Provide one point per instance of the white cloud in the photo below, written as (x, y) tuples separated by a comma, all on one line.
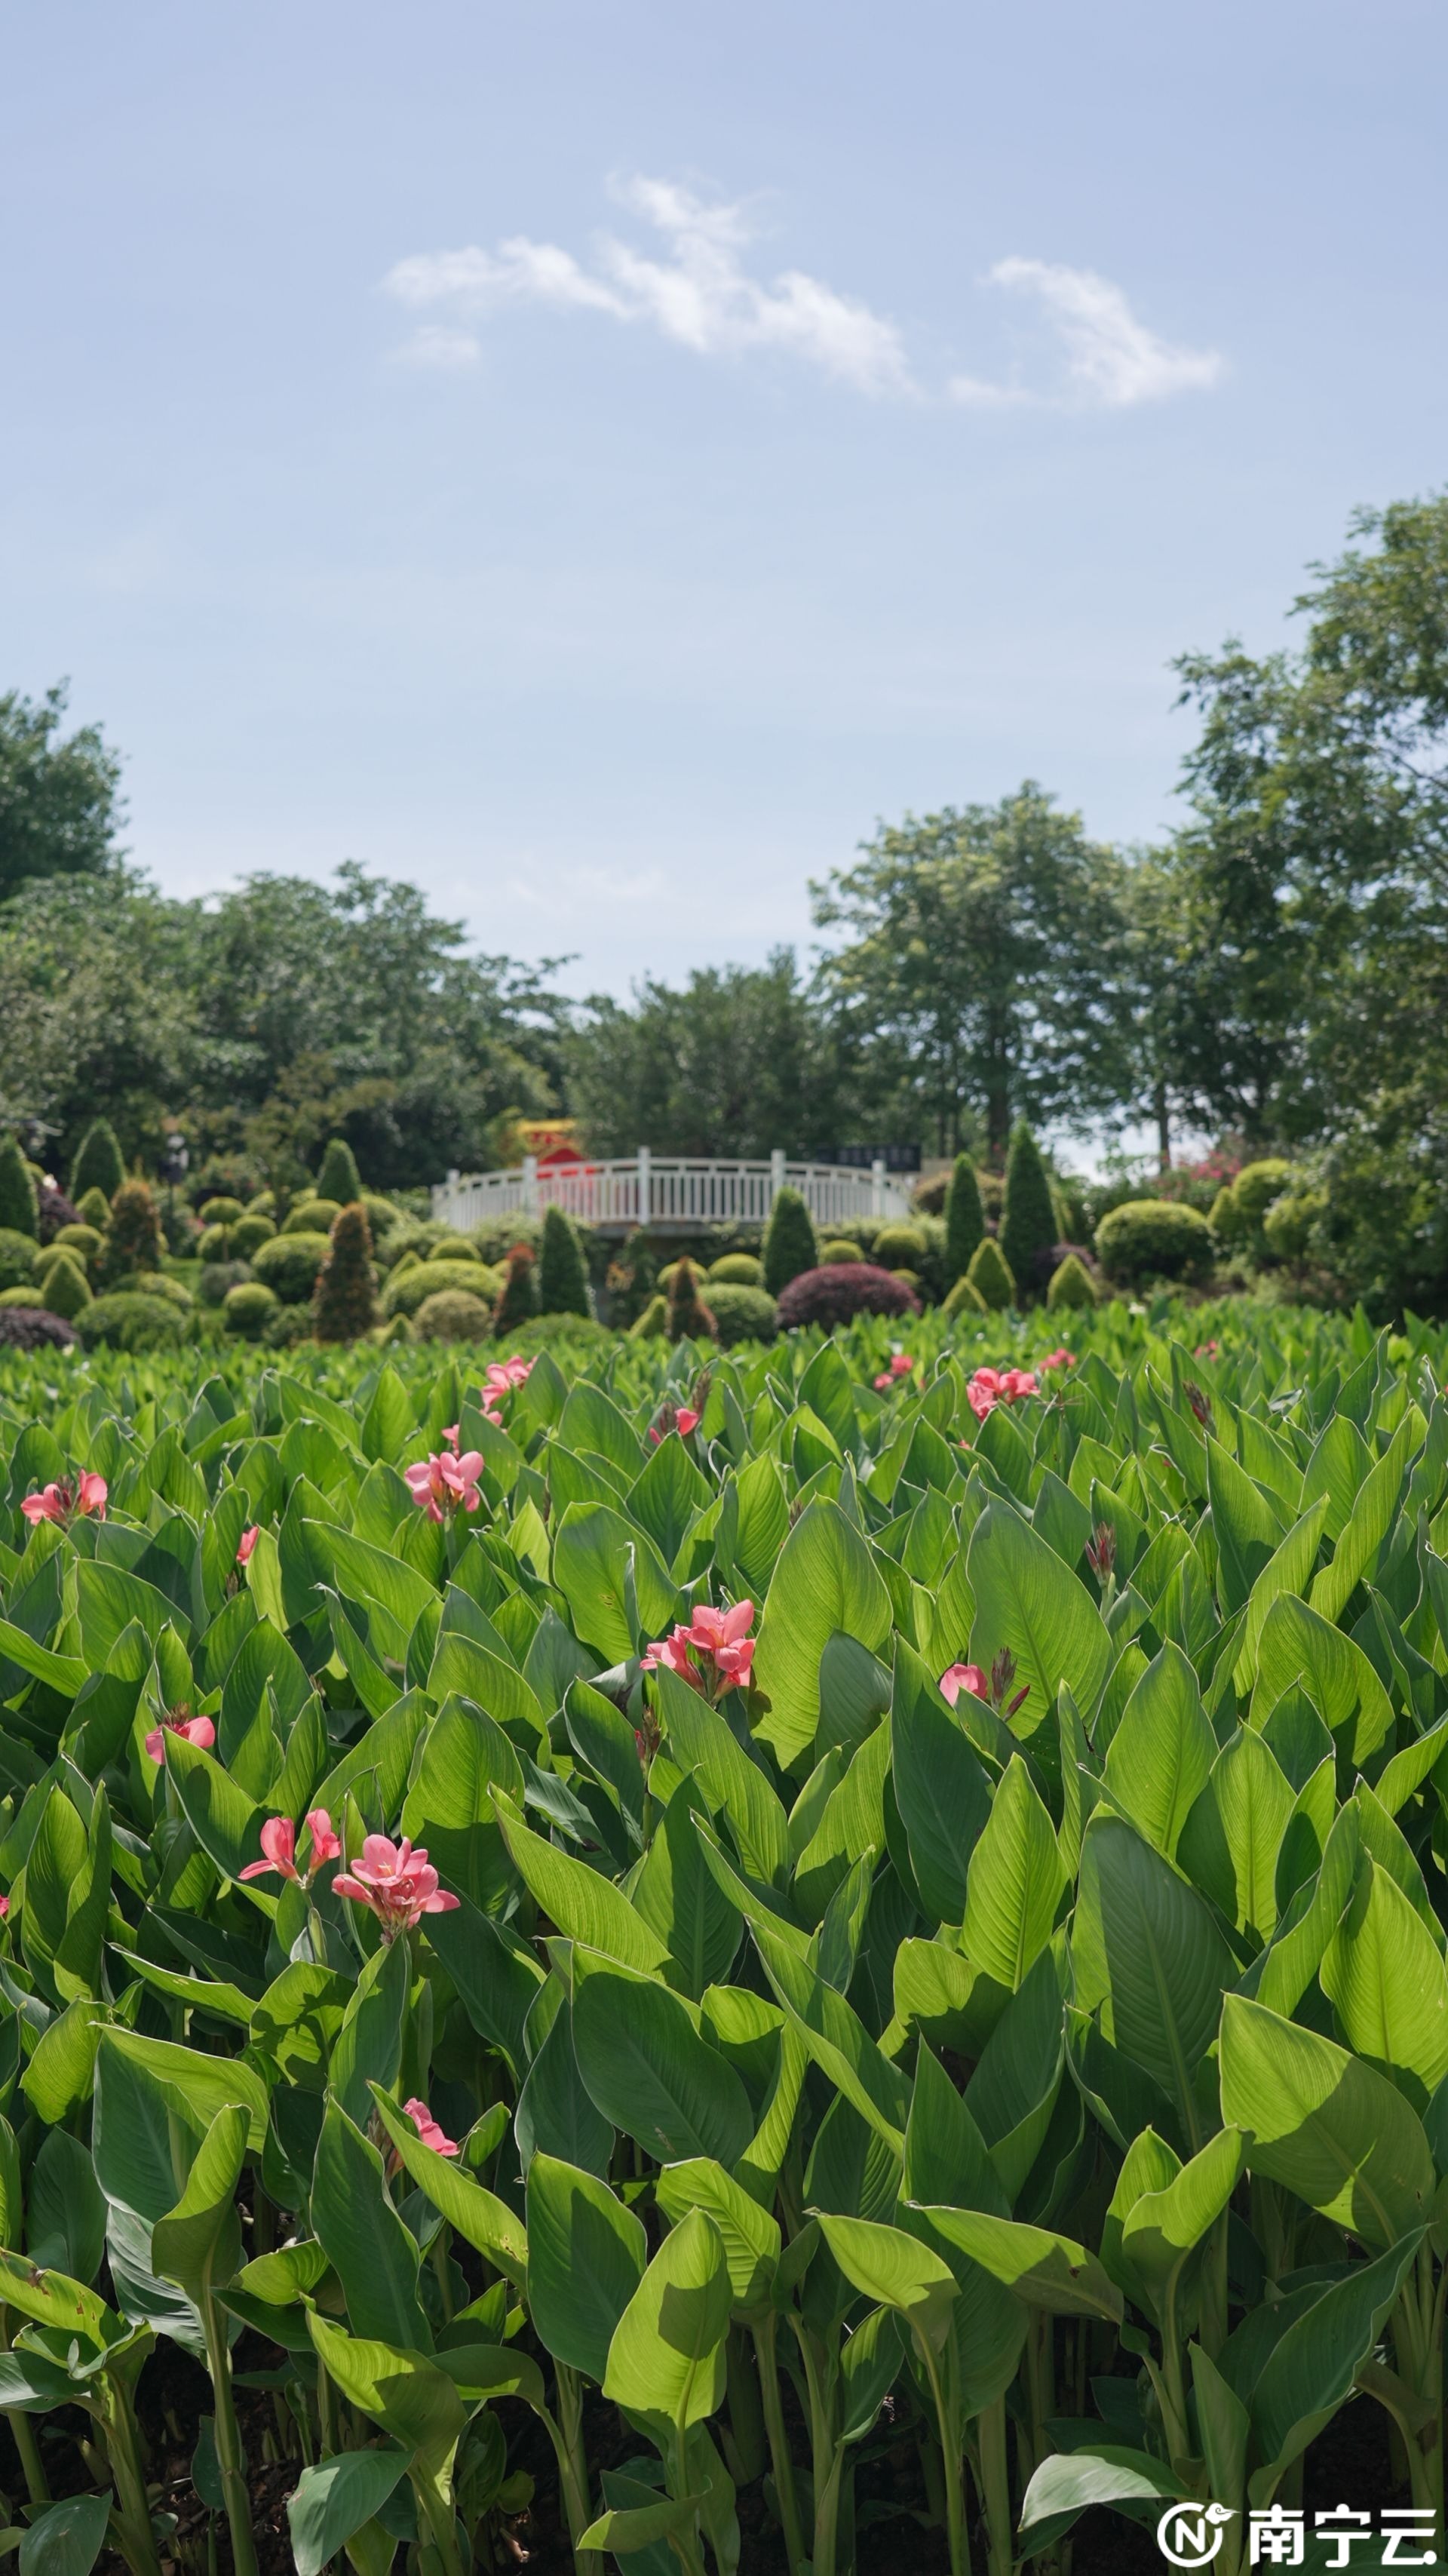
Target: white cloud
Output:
[(1112, 359), (699, 293)]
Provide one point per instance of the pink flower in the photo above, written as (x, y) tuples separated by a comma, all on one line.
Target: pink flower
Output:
[(428, 2130), (247, 1542), (396, 1882), (62, 1502), (1059, 1359), (672, 1653), (279, 1842), (197, 1730), (4, 1907), (719, 1639), (901, 1364), (444, 1483), (990, 1387), (685, 1420), (964, 1677)]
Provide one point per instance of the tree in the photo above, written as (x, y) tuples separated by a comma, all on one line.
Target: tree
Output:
[(98, 1164), (518, 1303), (339, 1177), (689, 1319), (59, 810), (986, 965), (1028, 1218), (738, 1060), (964, 1219), (344, 1304), (562, 1280), (19, 1208), (790, 1247)]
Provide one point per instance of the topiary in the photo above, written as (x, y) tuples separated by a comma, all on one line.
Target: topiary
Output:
[(964, 1219), (411, 1259), (98, 1164), (406, 1289), (842, 1289), (312, 1216), (130, 1321), (1029, 1227), (17, 1256), (741, 1313), (19, 1205), (518, 1303), (990, 1275), (159, 1283), (689, 1319), (29, 1329), (250, 1234), (964, 1298), (1257, 1185), (830, 1253), (344, 1301), (1071, 1285), (552, 1332), (1225, 1220), (898, 1247), (454, 1247), (219, 1278), (65, 1287), (562, 1280), (339, 1177), (738, 1269), (790, 1247), (289, 1326), (1153, 1239), (382, 1214), (452, 1315), (247, 1309), (289, 1264), (221, 1211), (94, 1208), (84, 1241), (1290, 1221), (653, 1320), (26, 1296), (218, 1243), (262, 1203), (134, 1241)]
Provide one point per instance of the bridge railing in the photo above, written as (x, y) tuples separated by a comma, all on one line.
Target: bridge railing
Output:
[(667, 1190)]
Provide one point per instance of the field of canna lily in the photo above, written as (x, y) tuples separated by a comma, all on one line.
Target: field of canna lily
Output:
[(817, 1959)]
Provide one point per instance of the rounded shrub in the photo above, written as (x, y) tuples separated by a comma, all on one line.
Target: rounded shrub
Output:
[(454, 1247), (452, 1315), (963, 1299), (218, 1243), (406, 1290), (737, 1270), (288, 1326), (159, 1283), (24, 1296), (25, 1328), (898, 1247), (1258, 1184), (1153, 1239), (247, 1309), (562, 1279), (65, 1287), (790, 1246), (1030, 1226), (218, 1278), (249, 1234), (653, 1320), (1289, 1222), (19, 1205), (545, 1332), (130, 1320), (382, 1214), (1225, 1218), (221, 1211), (839, 1250), (94, 1208), (1071, 1285), (17, 1256), (98, 1164), (409, 1259), (339, 1177), (312, 1216), (741, 1313), (344, 1301), (83, 1240), (262, 1203), (964, 1219), (840, 1291), (289, 1264), (990, 1275)]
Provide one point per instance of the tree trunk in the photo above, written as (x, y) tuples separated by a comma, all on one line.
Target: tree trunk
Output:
[(1163, 1126)]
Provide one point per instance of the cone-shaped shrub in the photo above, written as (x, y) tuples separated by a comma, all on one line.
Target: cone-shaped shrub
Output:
[(562, 1281), (1071, 1285), (98, 1164), (789, 1242), (135, 1238), (990, 1275), (964, 1219), (1028, 1219), (964, 1298), (689, 1319), (19, 1207), (339, 1177), (344, 1304), (654, 1319), (94, 1208), (519, 1301), (65, 1288)]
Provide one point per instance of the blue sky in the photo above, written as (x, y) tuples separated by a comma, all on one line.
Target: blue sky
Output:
[(597, 460)]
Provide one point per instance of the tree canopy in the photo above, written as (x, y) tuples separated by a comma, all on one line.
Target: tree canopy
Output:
[(59, 798)]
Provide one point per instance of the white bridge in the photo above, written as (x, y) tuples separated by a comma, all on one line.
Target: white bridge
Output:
[(664, 1191)]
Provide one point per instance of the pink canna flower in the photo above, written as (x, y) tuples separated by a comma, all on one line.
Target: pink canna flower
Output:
[(901, 1364), (444, 1484), (427, 2128), (718, 1639), (4, 1907), (279, 1843), (179, 1721), (681, 1418), (990, 1387), (247, 1542), (671, 1654), (398, 1884), (964, 1677), (64, 1502), (1059, 1360)]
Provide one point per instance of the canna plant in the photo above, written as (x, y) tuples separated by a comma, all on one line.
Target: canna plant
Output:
[(859, 1928)]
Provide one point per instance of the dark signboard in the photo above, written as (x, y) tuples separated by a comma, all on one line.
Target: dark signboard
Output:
[(896, 1158)]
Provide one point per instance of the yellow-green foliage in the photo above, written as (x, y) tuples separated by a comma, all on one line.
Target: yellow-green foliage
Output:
[(1071, 1285), (964, 1298), (990, 1275)]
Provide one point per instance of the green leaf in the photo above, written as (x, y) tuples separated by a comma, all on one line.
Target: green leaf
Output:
[(205, 2084), (824, 1584), (368, 2045), (404, 2391), (586, 2258), (198, 2244), (835, 2037), (1233, 1836), (1162, 1753), (1016, 1883), (1326, 2125), (597, 1556), (1046, 2270), (66, 2539), (1388, 1985), (67, 2210), (748, 2234), (700, 1741), (372, 2253), (1298, 1646), (1164, 2227), (648, 2069), (667, 2353), (480, 2218), (1247, 1527), (625, 2528), (1145, 1949), (1069, 2483), (941, 1786), (334, 2498), (681, 1900), (1026, 1606), (1311, 2371), (586, 1907), (223, 1818)]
